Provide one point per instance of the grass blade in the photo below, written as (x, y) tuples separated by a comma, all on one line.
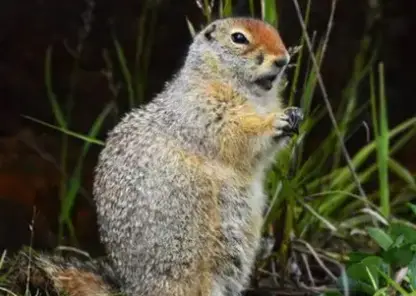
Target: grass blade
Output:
[(269, 12), (57, 111), (125, 70), (383, 149), (402, 172), (226, 8), (75, 180), (66, 131)]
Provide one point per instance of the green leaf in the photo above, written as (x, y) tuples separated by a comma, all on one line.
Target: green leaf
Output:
[(363, 277), (398, 241), (412, 272), (372, 263), (357, 257), (358, 280), (359, 271), (398, 229), (381, 237), (412, 207), (399, 257)]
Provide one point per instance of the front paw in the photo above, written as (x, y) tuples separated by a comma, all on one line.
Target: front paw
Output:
[(288, 123)]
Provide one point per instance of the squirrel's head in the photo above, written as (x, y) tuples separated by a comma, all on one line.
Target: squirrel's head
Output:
[(249, 49)]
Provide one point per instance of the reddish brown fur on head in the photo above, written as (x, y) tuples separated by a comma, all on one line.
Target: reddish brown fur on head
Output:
[(248, 51), (263, 36)]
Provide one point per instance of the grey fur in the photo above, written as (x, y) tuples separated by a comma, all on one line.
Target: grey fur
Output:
[(154, 210)]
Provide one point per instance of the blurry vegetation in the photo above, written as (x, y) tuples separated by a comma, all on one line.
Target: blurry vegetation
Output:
[(343, 224)]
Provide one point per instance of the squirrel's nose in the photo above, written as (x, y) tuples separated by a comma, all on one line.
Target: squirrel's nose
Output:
[(282, 61)]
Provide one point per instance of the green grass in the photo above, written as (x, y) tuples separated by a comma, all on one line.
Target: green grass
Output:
[(71, 182), (326, 192)]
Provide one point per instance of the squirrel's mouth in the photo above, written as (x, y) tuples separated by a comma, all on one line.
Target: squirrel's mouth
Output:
[(266, 82)]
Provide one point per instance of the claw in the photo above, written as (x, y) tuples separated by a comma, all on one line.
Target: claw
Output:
[(295, 116)]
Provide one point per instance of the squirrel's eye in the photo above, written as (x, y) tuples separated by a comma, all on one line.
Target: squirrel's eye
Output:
[(239, 38)]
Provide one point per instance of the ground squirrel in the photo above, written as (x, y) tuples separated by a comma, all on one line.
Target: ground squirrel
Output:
[(179, 184)]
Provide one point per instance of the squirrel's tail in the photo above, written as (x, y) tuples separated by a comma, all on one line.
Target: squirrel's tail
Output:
[(43, 274)]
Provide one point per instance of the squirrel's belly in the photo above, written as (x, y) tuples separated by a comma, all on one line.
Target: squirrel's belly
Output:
[(242, 219), (257, 197)]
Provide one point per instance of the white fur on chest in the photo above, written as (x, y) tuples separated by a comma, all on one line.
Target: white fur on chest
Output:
[(257, 197)]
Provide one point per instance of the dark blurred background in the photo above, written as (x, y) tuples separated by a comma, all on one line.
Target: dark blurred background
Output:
[(30, 168)]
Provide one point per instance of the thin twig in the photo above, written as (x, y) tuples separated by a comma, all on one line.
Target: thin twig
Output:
[(308, 270), (323, 89), (274, 271), (2, 258), (318, 289), (7, 291), (319, 255), (75, 250), (367, 131), (266, 272), (328, 30), (331, 257), (318, 259), (32, 230)]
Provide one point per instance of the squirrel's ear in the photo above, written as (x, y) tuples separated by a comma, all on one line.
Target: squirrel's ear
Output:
[(208, 32)]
